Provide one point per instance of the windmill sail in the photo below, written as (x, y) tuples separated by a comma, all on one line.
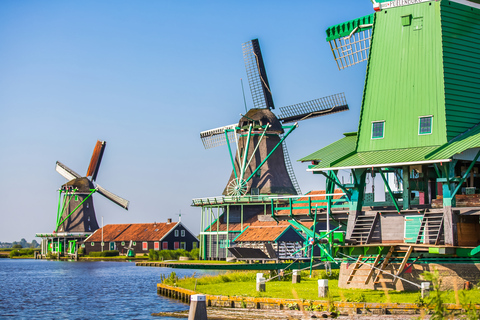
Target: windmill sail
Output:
[(96, 159), (113, 197), (66, 172), (257, 75), (350, 41), (216, 137), (314, 108)]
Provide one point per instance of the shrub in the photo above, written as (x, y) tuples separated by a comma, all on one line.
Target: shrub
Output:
[(108, 253), (156, 255)]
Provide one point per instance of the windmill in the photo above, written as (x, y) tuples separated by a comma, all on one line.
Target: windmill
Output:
[(75, 208), (130, 251), (261, 164)]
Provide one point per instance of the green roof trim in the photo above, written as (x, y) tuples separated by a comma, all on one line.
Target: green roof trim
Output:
[(345, 28), (372, 158), (468, 140), (334, 152)]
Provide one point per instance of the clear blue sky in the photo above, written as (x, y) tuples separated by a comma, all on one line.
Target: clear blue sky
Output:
[(147, 77)]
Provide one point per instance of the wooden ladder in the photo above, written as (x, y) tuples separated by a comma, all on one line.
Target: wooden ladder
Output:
[(431, 228), (358, 264), (375, 264), (384, 264)]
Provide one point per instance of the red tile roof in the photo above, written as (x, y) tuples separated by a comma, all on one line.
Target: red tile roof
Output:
[(261, 233), (132, 231)]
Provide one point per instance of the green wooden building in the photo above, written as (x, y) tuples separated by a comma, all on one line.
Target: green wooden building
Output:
[(419, 129)]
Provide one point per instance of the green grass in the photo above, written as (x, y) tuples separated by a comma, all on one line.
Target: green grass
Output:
[(242, 284)]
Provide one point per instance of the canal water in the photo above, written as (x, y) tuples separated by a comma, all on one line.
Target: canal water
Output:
[(40, 289)]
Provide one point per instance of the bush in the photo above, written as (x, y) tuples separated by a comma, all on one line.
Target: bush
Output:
[(22, 253), (108, 253), (156, 255)]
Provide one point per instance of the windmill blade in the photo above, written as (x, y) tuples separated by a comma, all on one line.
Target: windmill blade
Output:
[(66, 172), (96, 159), (314, 108), (257, 76), (216, 137), (350, 41), (113, 197)]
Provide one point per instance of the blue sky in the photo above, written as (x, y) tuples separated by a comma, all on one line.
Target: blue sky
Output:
[(147, 77)]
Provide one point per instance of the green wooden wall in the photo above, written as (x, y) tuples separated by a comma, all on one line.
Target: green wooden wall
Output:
[(404, 79), (461, 58)]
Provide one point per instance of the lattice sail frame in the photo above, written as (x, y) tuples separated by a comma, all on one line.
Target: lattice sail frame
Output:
[(314, 108), (352, 49), (256, 74), (216, 137)]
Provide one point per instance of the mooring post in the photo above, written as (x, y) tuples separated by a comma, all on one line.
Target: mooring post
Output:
[(322, 288), (260, 282), (296, 276), (425, 288), (198, 307)]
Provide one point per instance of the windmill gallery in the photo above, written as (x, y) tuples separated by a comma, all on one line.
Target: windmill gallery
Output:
[(422, 139)]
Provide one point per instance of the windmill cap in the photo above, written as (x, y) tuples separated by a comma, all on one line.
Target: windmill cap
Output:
[(264, 117)]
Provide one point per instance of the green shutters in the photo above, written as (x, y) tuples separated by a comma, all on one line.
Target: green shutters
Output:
[(425, 125), (378, 128)]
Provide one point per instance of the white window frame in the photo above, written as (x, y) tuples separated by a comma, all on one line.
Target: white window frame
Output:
[(182, 233), (383, 129), (156, 245), (176, 233), (145, 245)]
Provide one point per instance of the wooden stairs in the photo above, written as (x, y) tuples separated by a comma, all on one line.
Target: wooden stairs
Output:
[(364, 228), (431, 228), (376, 269)]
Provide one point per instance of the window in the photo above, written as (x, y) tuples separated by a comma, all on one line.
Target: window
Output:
[(165, 245), (176, 233), (123, 243), (93, 243), (194, 245), (255, 191), (183, 233), (145, 245), (425, 125), (183, 245), (378, 128), (176, 245), (134, 243), (156, 245), (87, 208)]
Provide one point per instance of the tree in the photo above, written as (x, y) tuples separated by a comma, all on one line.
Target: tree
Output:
[(17, 246)]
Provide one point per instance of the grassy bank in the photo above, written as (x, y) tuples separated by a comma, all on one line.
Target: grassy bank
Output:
[(242, 284)]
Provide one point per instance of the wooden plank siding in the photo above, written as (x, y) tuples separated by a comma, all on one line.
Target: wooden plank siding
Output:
[(461, 44)]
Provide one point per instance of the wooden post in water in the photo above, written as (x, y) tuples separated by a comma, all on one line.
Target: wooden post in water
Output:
[(198, 307)]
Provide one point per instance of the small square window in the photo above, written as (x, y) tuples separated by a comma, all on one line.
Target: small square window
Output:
[(145, 245), (378, 129), (183, 245), (156, 245), (425, 125), (407, 20), (165, 245)]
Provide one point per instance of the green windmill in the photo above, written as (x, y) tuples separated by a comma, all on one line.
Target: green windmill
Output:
[(260, 164)]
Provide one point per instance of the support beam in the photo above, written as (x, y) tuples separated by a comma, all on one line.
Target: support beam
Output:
[(356, 199), (406, 187)]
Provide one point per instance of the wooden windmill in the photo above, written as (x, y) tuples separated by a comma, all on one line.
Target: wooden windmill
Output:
[(261, 164), (75, 207)]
